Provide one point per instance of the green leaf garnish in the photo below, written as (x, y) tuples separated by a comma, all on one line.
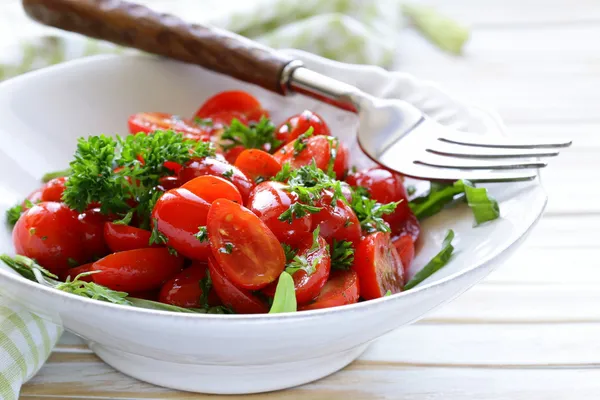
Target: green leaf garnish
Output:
[(13, 214), (226, 249), (297, 210), (92, 290), (370, 213), (342, 254), (205, 122), (202, 234), (259, 135), (300, 142), (157, 237), (436, 262), (285, 295), (289, 252), (126, 220), (300, 262), (485, 207), (56, 174)]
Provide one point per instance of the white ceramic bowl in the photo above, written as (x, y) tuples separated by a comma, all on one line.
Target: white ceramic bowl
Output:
[(42, 114)]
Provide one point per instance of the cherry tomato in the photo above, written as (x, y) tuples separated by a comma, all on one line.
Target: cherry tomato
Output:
[(211, 188), (378, 265), (183, 290), (257, 165), (136, 270), (34, 197), (406, 250), (240, 300), (232, 101), (92, 233), (168, 182), (120, 237), (217, 167), (337, 222), (73, 272), (145, 295), (245, 248), (224, 118), (342, 161), (155, 121), (342, 288), (53, 189), (298, 124), (173, 166), (322, 149), (308, 286), (178, 214), (232, 154), (50, 233), (268, 201), (385, 187)]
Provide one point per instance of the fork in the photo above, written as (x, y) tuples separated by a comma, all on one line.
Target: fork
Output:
[(392, 133)]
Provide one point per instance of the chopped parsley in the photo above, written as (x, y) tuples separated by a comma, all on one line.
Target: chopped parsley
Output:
[(342, 254), (56, 174), (228, 174), (301, 261), (297, 210), (31, 231), (226, 249), (204, 122), (259, 135), (13, 214), (202, 234), (289, 252), (300, 143), (157, 237), (172, 251), (370, 213)]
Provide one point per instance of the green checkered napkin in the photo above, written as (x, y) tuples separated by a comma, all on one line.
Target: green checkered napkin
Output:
[(354, 31)]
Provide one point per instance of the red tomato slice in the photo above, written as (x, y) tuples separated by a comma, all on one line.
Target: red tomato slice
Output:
[(179, 213), (123, 237), (307, 286), (342, 288), (315, 148), (232, 101), (92, 231), (339, 222), (240, 300), (136, 270), (268, 201), (73, 272), (246, 249), (406, 250), (257, 165), (211, 188), (156, 121), (51, 234), (378, 265), (386, 186), (183, 290), (217, 167), (298, 124)]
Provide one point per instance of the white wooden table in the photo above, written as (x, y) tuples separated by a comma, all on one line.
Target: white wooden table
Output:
[(531, 330)]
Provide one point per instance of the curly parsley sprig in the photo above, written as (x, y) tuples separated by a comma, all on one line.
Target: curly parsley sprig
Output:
[(259, 135)]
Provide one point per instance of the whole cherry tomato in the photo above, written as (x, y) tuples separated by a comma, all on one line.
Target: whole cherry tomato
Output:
[(337, 222), (120, 237), (308, 286), (183, 290), (386, 187), (232, 101), (342, 288), (326, 152), (240, 300), (217, 167), (378, 265), (406, 250), (50, 233), (271, 199), (156, 121), (92, 234), (53, 189), (298, 124), (257, 165), (74, 272), (210, 188), (168, 182), (178, 215), (245, 248), (136, 270)]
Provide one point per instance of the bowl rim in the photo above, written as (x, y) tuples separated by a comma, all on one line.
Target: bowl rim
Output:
[(364, 306)]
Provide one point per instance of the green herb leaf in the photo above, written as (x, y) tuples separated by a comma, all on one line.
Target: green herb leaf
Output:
[(301, 262), (285, 295), (297, 210), (436, 199), (157, 237), (259, 135), (342, 255), (228, 174), (205, 286), (436, 262), (154, 305), (202, 234), (300, 142), (206, 122), (13, 214), (126, 220), (485, 207), (92, 290), (289, 252), (56, 174), (388, 293), (370, 213), (226, 249)]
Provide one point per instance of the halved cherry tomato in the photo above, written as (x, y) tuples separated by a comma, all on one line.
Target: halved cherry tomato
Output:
[(155, 121), (342, 288), (337, 222), (245, 248), (168, 182), (240, 300), (308, 286), (136, 270), (183, 290), (224, 118), (232, 101), (217, 167), (92, 233), (211, 188), (268, 201), (257, 165), (178, 214), (321, 149), (120, 237), (50, 233), (73, 272), (298, 124), (386, 186), (406, 250), (378, 265)]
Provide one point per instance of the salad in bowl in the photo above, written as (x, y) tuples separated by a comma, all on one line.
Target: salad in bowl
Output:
[(226, 211)]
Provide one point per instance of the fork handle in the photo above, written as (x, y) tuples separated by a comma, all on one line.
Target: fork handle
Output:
[(139, 27)]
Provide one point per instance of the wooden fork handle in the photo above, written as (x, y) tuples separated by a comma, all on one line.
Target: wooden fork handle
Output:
[(139, 27)]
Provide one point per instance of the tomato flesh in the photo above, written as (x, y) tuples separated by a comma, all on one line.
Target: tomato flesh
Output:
[(378, 265), (257, 165), (342, 288), (240, 300), (245, 248), (136, 270)]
